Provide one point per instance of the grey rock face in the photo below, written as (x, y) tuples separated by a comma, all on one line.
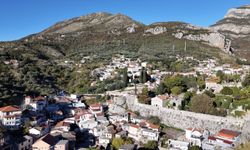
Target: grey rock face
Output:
[(237, 21), (239, 13), (213, 39), (156, 30)]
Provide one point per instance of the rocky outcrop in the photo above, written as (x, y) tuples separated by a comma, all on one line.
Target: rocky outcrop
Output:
[(156, 30), (213, 39), (240, 13), (236, 21), (236, 26), (237, 29)]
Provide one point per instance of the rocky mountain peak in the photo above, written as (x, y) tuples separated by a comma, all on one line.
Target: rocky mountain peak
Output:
[(236, 26), (236, 22), (101, 22), (239, 13)]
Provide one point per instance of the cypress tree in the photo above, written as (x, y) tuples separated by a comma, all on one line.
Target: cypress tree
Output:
[(125, 77)]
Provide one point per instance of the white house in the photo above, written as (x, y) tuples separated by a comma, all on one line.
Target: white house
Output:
[(36, 104), (213, 85), (159, 101), (133, 131), (195, 136), (87, 125), (225, 139), (63, 126), (96, 108), (39, 131), (62, 145), (83, 115), (103, 141), (10, 116), (148, 135), (177, 145), (113, 118)]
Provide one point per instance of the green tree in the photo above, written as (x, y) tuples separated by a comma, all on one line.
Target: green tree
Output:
[(186, 99), (194, 148), (201, 83), (154, 120), (226, 91), (143, 75), (246, 81), (209, 93), (151, 145), (221, 75), (176, 90), (172, 81), (202, 104), (161, 89), (143, 97), (117, 143), (125, 77)]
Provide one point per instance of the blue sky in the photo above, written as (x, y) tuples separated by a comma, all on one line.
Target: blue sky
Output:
[(20, 18)]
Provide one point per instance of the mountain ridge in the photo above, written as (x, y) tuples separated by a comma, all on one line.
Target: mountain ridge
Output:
[(41, 57)]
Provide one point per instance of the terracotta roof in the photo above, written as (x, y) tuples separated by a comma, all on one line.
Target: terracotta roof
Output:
[(163, 97), (9, 108), (195, 129), (142, 124), (152, 126), (228, 133), (100, 114), (95, 105), (39, 98), (109, 101), (214, 139), (134, 126), (213, 80), (62, 123)]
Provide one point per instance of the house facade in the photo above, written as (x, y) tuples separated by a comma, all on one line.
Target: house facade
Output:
[(10, 117), (159, 101)]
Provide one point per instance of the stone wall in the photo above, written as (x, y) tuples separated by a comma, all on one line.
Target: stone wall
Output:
[(185, 119)]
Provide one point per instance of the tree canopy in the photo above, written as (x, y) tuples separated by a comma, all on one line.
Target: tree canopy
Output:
[(202, 104)]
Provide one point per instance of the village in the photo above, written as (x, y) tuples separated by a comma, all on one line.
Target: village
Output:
[(72, 121)]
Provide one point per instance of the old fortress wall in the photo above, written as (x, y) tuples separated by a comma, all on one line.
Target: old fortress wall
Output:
[(185, 119)]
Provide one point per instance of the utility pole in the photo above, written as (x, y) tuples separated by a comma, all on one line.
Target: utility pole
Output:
[(185, 48)]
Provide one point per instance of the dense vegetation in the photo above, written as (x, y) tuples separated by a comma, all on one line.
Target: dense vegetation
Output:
[(41, 68)]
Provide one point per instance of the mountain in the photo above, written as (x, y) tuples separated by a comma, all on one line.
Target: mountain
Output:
[(99, 21), (36, 64), (236, 26)]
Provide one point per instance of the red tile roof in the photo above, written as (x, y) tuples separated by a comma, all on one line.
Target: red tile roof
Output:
[(163, 97), (134, 126), (39, 98), (152, 126), (214, 139), (9, 108), (196, 129), (95, 105), (228, 133), (62, 123)]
